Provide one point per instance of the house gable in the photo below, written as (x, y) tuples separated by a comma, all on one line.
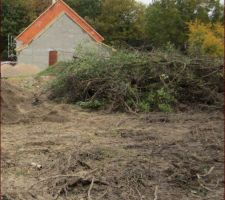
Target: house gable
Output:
[(48, 16), (63, 40), (56, 37)]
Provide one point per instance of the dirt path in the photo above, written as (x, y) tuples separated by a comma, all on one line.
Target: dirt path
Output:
[(94, 155)]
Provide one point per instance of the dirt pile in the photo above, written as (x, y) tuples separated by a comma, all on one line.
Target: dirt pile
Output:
[(12, 98), (18, 70), (20, 105)]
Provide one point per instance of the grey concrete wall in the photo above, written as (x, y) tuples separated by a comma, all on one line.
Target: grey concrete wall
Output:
[(63, 36)]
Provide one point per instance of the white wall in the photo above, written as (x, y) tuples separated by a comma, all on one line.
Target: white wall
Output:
[(63, 36)]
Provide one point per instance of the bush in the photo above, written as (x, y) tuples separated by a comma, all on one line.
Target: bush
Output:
[(139, 81), (162, 100), (206, 39), (90, 104)]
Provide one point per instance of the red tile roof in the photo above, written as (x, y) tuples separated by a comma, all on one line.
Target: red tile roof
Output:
[(48, 16)]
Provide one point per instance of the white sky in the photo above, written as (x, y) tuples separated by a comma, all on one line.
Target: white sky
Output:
[(145, 1), (148, 1)]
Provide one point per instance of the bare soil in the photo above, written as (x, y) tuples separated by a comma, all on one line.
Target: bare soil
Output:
[(18, 70), (59, 151)]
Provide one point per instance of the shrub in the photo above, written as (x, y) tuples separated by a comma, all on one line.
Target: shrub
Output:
[(162, 100), (139, 81), (206, 39), (90, 104)]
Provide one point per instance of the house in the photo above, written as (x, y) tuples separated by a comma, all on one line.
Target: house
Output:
[(54, 36)]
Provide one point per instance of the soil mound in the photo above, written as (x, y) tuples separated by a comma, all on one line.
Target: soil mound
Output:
[(19, 105), (18, 70), (55, 116), (12, 98)]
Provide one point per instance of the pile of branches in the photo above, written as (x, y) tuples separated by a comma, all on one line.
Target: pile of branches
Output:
[(139, 81)]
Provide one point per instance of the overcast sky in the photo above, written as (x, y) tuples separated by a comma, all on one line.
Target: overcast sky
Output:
[(148, 1)]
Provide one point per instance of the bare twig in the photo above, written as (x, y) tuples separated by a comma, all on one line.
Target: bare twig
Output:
[(90, 188), (212, 73), (102, 195), (59, 176), (53, 177), (204, 175), (202, 185), (58, 193), (156, 192), (129, 109), (139, 193), (209, 172), (66, 192), (84, 164)]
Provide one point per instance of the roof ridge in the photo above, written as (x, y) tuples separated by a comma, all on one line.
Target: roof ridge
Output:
[(71, 13), (81, 18), (36, 19), (48, 25)]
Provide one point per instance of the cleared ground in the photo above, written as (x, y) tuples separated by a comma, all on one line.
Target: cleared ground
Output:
[(18, 70), (95, 155)]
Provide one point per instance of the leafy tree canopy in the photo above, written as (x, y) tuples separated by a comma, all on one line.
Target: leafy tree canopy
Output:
[(121, 20), (166, 20)]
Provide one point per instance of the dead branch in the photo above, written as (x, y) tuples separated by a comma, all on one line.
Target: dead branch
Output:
[(60, 191), (84, 164), (209, 172), (89, 190), (202, 185), (102, 195), (125, 85), (156, 192), (59, 176), (204, 175), (139, 193)]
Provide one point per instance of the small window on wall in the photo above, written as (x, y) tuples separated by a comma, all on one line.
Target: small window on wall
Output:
[(53, 57)]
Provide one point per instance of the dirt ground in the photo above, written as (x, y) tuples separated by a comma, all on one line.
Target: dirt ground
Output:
[(59, 151), (18, 70)]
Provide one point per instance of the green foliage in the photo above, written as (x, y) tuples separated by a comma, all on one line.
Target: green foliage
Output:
[(144, 106), (206, 39), (162, 99), (166, 20), (121, 21), (17, 15), (36, 7), (165, 107), (54, 70), (94, 105), (164, 24), (138, 82), (203, 10), (86, 8)]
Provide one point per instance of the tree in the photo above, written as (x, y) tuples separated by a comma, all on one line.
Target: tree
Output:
[(121, 21), (164, 24), (37, 6), (204, 10), (86, 8), (206, 39), (15, 17), (217, 14), (166, 20)]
